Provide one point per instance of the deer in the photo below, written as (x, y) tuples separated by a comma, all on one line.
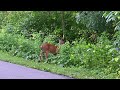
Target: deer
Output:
[(47, 48)]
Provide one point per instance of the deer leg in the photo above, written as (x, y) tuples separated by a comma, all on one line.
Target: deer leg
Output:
[(41, 55), (46, 54)]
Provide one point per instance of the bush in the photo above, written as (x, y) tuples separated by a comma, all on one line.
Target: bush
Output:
[(50, 39), (116, 39), (20, 46)]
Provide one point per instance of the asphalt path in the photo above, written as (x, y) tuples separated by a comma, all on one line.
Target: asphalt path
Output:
[(14, 71)]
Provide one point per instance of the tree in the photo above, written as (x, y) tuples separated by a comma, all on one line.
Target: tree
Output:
[(114, 17)]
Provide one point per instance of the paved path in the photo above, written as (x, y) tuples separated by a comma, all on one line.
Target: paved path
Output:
[(13, 71)]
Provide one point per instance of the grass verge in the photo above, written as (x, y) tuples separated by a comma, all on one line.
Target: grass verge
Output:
[(75, 72)]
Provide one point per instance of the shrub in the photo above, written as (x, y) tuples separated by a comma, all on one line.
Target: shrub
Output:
[(20, 46)]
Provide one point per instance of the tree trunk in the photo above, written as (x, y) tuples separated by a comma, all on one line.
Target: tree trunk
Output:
[(63, 24)]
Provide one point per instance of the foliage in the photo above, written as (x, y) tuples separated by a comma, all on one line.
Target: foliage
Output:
[(113, 16), (3, 14), (116, 39), (93, 20), (50, 39), (19, 46)]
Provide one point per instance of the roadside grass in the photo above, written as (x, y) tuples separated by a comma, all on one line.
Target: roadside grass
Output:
[(74, 72)]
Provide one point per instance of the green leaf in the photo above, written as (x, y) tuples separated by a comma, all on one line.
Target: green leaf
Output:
[(116, 59), (119, 72)]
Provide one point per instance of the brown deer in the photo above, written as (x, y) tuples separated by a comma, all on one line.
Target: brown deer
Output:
[(47, 48)]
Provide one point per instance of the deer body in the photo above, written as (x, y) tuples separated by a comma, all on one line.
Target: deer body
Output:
[(49, 48)]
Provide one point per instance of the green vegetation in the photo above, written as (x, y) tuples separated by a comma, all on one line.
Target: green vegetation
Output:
[(91, 47)]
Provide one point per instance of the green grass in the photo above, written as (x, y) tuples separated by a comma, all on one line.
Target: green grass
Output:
[(75, 72)]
